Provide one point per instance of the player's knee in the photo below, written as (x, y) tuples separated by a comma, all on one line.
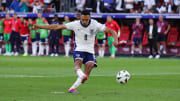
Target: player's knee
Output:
[(90, 65)]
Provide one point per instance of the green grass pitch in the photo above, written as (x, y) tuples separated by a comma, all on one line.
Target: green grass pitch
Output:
[(48, 79)]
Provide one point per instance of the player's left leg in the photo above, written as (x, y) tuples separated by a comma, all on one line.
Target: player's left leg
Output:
[(25, 44), (88, 68), (1, 38), (47, 46)]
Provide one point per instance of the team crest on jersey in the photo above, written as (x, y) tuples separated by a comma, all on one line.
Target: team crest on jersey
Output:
[(91, 31)]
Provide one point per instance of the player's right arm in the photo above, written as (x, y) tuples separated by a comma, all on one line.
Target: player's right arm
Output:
[(50, 27)]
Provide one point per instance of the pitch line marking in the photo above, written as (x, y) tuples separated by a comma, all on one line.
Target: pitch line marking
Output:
[(57, 92), (41, 76)]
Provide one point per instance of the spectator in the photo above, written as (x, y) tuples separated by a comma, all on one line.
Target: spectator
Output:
[(46, 3), (176, 5), (149, 3), (119, 6), (43, 39), (101, 37), (80, 5), (37, 6), (55, 38), (90, 5), (5, 4), (78, 16), (99, 6), (39, 21), (33, 37), (168, 4), (67, 37), (24, 32), (109, 5), (161, 8), (129, 5), (152, 34), (15, 36), (112, 24), (7, 34), (24, 6), (137, 29), (1, 33), (162, 29), (15, 5)]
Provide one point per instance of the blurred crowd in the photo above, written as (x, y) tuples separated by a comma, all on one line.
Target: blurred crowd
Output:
[(95, 6), (17, 35)]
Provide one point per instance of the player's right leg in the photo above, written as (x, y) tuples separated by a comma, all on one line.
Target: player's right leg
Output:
[(78, 61), (1, 38), (79, 72)]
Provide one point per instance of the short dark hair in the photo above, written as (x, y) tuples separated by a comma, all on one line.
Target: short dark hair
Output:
[(85, 12), (55, 15), (15, 14)]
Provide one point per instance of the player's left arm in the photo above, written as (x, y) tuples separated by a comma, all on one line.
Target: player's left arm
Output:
[(168, 28), (119, 29), (114, 34)]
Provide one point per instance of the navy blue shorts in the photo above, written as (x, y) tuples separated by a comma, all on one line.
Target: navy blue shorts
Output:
[(38, 37), (67, 39), (161, 37), (33, 40), (24, 38), (44, 40), (1, 37), (101, 41), (137, 40), (85, 57)]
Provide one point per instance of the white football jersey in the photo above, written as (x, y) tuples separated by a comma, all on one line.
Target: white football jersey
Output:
[(85, 36)]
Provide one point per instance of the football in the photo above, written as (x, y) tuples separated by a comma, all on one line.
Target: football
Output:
[(123, 77)]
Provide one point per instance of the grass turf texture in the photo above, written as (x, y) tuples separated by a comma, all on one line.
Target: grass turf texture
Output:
[(36, 78)]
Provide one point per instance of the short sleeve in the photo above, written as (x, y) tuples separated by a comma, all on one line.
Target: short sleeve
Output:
[(100, 27), (70, 25)]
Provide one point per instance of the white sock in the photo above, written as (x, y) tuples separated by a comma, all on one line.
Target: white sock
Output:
[(80, 73), (77, 83), (47, 49), (41, 49), (102, 53), (67, 49), (34, 48), (99, 51), (0, 50), (132, 52), (25, 46)]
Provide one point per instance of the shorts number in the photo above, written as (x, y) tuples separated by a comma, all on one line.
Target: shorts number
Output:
[(85, 37)]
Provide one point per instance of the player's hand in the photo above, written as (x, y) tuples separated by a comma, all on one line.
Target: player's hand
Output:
[(165, 32), (115, 43)]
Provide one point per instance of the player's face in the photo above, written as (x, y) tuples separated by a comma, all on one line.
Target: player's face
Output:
[(137, 20), (39, 15), (160, 18), (30, 21), (15, 16), (109, 19), (66, 18), (85, 19), (78, 16), (21, 19), (7, 16), (151, 21)]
